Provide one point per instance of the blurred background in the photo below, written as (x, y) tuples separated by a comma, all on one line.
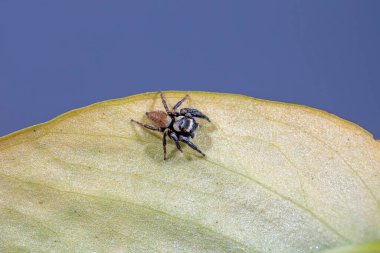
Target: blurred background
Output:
[(60, 55)]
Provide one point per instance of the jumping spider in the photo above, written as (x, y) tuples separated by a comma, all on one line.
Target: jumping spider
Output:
[(179, 126)]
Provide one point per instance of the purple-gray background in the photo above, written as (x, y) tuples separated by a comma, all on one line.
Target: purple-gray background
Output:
[(59, 55)]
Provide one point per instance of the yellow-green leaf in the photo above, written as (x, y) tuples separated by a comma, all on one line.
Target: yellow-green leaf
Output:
[(373, 247), (276, 178)]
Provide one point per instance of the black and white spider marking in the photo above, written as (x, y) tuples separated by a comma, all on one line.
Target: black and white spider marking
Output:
[(179, 126)]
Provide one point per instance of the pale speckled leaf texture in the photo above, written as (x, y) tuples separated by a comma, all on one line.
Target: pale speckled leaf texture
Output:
[(276, 178)]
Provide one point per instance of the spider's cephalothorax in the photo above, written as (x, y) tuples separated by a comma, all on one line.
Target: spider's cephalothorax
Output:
[(179, 126)]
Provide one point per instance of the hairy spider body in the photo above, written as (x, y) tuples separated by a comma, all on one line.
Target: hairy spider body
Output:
[(159, 119), (178, 126), (186, 126)]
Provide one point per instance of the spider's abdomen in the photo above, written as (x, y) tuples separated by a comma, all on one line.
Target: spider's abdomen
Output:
[(159, 119), (185, 125)]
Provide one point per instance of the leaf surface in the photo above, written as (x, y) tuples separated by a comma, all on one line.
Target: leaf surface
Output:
[(276, 178)]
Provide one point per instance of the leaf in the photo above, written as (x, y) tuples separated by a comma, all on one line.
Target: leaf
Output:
[(373, 247), (276, 178)]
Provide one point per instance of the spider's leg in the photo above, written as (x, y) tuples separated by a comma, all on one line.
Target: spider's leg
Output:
[(190, 144), (164, 143), (147, 126), (194, 113), (164, 102), (179, 103), (174, 137)]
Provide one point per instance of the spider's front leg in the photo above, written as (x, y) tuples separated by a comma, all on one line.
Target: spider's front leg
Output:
[(193, 113), (190, 144)]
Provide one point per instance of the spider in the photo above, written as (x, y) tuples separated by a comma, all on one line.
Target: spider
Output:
[(179, 126)]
